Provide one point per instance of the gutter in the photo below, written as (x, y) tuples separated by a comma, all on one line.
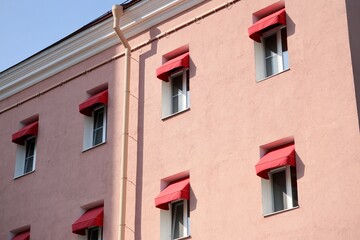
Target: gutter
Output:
[(117, 11), (188, 23)]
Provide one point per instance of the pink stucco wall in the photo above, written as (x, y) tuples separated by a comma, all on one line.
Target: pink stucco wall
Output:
[(217, 141)]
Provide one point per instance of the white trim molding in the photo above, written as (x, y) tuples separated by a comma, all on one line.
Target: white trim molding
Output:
[(88, 43)]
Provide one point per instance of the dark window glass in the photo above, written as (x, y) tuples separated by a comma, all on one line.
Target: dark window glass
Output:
[(98, 131), (29, 155), (294, 186), (176, 92), (178, 219), (187, 81), (271, 50), (279, 190), (93, 233)]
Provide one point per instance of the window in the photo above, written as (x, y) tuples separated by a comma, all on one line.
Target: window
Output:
[(175, 214), (94, 233), (176, 93), (25, 139), (94, 110), (276, 52), (95, 128), (270, 39), (179, 219), (179, 91), (277, 169), (29, 162), (25, 157), (175, 85), (99, 126), (283, 188)]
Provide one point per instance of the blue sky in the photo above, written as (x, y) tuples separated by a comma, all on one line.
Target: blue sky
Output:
[(28, 26)]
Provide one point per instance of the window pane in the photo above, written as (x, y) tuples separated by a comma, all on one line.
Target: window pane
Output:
[(279, 190), (187, 81), (93, 234), (175, 104), (178, 220), (30, 147), (177, 93), (271, 66), (98, 136), (29, 155), (285, 54), (294, 186), (177, 84), (98, 118), (270, 46), (98, 126), (28, 164), (271, 60)]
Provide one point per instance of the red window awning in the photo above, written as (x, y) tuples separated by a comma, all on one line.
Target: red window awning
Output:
[(172, 65), (88, 106), (91, 218), (174, 191), (276, 18), (283, 156), (29, 130), (22, 236)]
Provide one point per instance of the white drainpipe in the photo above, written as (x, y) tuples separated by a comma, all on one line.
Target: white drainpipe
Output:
[(117, 11)]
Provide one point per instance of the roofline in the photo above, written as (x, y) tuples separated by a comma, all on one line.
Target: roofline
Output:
[(105, 16), (140, 16)]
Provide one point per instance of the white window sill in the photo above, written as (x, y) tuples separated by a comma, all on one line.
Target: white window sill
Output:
[(266, 78), (186, 237), (174, 114), (285, 210), (20, 176), (97, 145)]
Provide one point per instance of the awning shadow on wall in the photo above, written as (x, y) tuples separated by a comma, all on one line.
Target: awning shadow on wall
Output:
[(353, 17)]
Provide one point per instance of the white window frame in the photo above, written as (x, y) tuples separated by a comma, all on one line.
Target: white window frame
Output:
[(89, 122), (186, 219), (166, 222), (89, 230), (21, 158), (183, 97), (260, 59), (267, 192), (103, 125)]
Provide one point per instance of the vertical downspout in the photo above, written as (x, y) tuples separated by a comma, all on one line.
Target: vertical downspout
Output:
[(117, 11)]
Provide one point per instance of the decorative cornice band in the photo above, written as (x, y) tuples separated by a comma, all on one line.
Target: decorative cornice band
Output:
[(88, 43)]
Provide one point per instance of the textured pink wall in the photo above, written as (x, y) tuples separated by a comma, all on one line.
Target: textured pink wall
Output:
[(231, 116), (217, 141), (65, 179)]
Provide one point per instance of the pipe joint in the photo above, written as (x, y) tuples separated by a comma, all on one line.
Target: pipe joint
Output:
[(117, 11)]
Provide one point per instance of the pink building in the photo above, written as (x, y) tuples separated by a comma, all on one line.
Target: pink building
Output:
[(242, 123)]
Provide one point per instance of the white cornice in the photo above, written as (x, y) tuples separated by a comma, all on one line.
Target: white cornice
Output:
[(87, 43)]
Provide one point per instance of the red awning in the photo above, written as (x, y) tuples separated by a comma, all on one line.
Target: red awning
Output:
[(174, 191), (88, 106), (29, 130), (22, 236), (92, 218), (284, 156), (172, 65), (276, 18)]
